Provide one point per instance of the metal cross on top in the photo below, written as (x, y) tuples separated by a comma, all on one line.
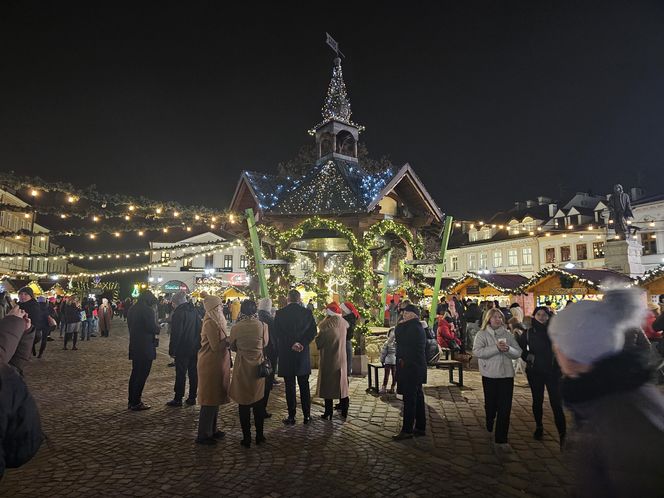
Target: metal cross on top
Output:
[(334, 45)]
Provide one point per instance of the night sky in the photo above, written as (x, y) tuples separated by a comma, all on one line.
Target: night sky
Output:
[(490, 101)]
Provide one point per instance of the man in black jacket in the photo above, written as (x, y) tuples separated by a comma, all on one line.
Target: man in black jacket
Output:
[(143, 331), (411, 372), (184, 345), (295, 328)]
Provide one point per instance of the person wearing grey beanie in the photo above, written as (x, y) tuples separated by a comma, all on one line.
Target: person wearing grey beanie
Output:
[(618, 440)]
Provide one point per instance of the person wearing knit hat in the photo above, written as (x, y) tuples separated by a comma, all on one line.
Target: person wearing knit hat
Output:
[(332, 374), (351, 315), (183, 347), (619, 415), (265, 316), (214, 370)]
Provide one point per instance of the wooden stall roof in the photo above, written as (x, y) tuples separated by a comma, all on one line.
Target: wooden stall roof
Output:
[(597, 279), (504, 283), (653, 280)]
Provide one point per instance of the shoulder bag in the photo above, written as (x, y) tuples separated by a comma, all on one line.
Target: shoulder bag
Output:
[(265, 366)]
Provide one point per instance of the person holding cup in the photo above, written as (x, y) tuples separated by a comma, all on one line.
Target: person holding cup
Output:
[(495, 347)]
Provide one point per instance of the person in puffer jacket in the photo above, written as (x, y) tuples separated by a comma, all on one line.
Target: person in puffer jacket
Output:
[(495, 347)]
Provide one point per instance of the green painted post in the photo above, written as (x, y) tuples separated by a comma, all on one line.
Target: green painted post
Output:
[(256, 245), (439, 269), (386, 278)]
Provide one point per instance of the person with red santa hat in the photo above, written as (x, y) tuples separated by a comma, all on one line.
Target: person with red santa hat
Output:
[(332, 372)]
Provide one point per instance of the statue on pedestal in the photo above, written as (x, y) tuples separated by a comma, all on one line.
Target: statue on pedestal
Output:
[(620, 208)]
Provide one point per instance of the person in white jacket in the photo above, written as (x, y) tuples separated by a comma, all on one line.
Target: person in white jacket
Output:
[(495, 347)]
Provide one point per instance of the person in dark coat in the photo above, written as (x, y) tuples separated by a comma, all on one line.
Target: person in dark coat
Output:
[(294, 329), (271, 351), (617, 447), (73, 319), (143, 331), (42, 326), (27, 303), (542, 370), (183, 346), (411, 372), (20, 425)]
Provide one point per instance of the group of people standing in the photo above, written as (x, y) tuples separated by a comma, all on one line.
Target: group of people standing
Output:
[(202, 351)]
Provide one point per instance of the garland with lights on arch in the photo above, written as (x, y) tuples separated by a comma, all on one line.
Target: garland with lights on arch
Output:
[(359, 268)]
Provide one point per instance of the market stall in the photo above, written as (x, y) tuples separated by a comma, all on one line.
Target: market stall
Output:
[(559, 285), (506, 288), (652, 282)]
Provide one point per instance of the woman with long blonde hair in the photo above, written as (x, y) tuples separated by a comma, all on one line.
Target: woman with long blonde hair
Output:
[(495, 348)]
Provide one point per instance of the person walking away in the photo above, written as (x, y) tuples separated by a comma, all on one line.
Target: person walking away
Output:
[(249, 337), (73, 318), (44, 326), (62, 321), (87, 323), (388, 358), (214, 370), (295, 328), (411, 372), (105, 315), (271, 352), (332, 380), (617, 446), (542, 370), (495, 348), (143, 331), (393, 310), (351, 315), (184, 344)]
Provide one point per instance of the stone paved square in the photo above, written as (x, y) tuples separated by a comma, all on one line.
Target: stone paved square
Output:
[(96, 447)]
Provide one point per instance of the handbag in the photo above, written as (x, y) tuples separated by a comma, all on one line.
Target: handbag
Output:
[(265, 367)]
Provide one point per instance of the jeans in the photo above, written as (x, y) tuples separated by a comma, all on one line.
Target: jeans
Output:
[(140, 370), (414, 410), (305, 396), (537, 382), (86, 329), (498, 405), (390, 369), (245, 418), (186, 365), (207, 421)]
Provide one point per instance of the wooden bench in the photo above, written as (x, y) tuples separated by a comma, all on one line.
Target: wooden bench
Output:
[(373, 369), (451, 365)]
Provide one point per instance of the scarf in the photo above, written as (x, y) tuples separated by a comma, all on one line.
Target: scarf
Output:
[(216, 315)]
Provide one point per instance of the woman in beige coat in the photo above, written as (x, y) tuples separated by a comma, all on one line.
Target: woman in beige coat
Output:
[(249, 336), (214, 370), (332, 372)]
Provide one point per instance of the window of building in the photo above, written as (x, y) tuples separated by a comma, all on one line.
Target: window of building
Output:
[(186, 262), (243, 261), (484, 258), (598, 250), (472, 261), (565, 253), (228, 261), (497, 259), (165, 255), (649, 242), (581, 252), (455, 263), (527, 255), (512, 257), (304, 264), (209, 261), (550, 254)]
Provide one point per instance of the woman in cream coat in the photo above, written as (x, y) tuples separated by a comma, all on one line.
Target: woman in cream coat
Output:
[(249, 336), (214, 370), (332, 372)]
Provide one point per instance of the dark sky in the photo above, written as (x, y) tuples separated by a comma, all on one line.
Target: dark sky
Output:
[(489, 101)]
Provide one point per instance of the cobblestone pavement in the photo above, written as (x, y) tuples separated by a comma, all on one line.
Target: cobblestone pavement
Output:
[(96, 447)]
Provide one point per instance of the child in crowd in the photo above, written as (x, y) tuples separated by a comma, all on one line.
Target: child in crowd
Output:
[(388, 357)]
